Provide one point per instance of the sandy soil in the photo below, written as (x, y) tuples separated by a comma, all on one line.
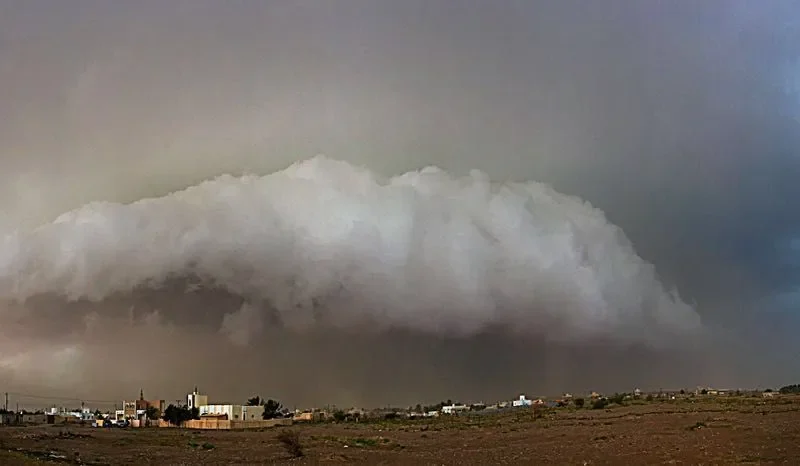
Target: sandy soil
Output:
[(724, 431)]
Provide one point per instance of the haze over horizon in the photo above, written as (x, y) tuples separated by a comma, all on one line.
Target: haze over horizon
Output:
[(612, 203)]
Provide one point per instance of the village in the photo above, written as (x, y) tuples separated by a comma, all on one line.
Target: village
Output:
[(200, 412)]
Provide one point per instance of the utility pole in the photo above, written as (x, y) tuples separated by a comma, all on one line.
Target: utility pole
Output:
[(5, 406)]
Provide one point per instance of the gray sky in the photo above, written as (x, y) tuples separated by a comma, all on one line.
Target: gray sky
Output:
[(680, 120)]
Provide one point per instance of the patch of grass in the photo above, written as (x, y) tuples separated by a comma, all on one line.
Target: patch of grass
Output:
[(13, 457), (204, 445), (365, 442), (290, 440), (758, 459), (163, 441), (41, 456), (697, 425)]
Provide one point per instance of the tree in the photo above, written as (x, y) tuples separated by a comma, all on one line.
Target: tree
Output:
[(152, 412), (178, 415), (255, 401), (339, 415), (272, 409), (436, 407), (600, 403)]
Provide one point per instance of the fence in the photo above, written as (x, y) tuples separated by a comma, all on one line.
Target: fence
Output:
[(224, 424)]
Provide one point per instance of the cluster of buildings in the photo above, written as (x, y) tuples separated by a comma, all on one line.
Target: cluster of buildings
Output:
[(142, 412), (48, 416)]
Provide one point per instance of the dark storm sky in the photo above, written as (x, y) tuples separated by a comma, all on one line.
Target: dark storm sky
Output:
[(681, 120)]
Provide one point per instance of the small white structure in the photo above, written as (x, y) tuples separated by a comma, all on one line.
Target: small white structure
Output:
[(522, 401), (453, 409)]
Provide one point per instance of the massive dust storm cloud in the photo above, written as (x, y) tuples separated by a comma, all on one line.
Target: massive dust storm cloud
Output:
[(609, 177), (323, 241)]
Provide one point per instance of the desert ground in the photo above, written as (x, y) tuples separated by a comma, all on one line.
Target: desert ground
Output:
[(693, 431)]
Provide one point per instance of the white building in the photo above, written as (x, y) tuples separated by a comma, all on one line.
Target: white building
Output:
[(83, 414), (453, 409), (522, 401), (233, 412), (196, 400)]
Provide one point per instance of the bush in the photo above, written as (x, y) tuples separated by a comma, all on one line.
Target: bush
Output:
[(600, 404), (790, 389), (617, 398), (290, 440), (579, 402)]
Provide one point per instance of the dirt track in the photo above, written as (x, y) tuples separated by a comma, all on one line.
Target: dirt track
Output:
[(727, 431)]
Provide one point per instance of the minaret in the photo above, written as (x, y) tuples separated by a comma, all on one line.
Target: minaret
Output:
[(141, 394)]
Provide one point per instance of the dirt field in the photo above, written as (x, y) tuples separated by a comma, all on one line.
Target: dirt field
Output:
[(726, 431)]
